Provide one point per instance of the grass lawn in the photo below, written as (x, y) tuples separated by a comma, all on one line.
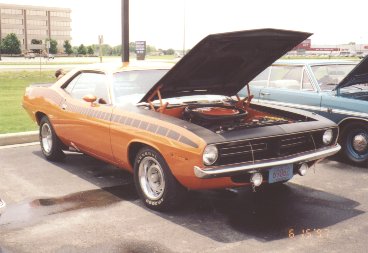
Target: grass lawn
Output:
[(160, 57), (13, 118)]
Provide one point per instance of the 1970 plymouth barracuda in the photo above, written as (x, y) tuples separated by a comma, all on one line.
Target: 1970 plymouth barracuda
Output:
[(337, 90), (185, 128)]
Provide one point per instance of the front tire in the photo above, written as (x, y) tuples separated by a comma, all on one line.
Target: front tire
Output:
[(355, 143), (156, 185), (50, 144)]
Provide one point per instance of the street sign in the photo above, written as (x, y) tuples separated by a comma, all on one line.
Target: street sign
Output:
[(140, 49)]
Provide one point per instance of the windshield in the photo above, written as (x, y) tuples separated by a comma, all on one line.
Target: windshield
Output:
[(130, 86), (328, 76)]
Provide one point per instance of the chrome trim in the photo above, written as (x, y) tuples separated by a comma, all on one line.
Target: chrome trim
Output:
[(278, 135), (315, 108), (351, 118), (230, 170)]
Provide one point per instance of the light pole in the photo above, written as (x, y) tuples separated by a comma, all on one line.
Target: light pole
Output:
[(125, 31), (184, 27)]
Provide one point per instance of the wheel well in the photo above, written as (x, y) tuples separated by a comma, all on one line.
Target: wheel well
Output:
[(39, 116), (133, 151), (344, 123)]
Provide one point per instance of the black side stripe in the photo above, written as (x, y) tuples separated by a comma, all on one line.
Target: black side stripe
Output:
[(120, 119)]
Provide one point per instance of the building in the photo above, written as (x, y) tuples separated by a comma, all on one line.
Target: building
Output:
[(35, 22), (351, 49)]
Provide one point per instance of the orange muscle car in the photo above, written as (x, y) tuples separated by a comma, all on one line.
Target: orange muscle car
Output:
[(184, 128)]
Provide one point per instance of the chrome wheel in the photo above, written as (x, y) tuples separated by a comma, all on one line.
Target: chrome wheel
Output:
[(46, 137), (151, 178), (360, 143)]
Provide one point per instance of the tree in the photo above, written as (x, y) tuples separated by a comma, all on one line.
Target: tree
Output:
[(53, 46), (82, 50), (132, 47), (116, 50), (90, 50), (170, 51), (11, 44), (67, 47), (150, 49), (36, 42)]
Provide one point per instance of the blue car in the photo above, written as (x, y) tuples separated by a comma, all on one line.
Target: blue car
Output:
[(337, 90)]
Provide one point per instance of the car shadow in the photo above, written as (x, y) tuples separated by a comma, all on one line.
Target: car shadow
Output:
[(270, 213), (345, 161)]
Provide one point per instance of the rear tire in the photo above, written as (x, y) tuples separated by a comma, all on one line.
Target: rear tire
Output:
[(156, 185), (355, 143), (51, 146)]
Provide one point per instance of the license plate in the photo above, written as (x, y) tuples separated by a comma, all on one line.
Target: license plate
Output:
[(280, 173)]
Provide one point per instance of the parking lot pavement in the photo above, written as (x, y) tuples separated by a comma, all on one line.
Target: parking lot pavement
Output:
[(83, 205)]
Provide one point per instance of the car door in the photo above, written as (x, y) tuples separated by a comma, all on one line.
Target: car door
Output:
[(290, 85), (86, 125)]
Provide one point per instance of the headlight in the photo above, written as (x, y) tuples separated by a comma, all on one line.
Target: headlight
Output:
[(210, 155), (327, 137)]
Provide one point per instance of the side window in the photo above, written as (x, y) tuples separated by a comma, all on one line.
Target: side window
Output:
[(89, 84), (71, 84), (286, 77), (262, 79), (307, 85)]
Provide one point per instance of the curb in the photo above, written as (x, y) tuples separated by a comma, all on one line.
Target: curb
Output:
[(18, 138)]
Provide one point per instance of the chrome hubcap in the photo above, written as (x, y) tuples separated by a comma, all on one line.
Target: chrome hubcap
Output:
[(46, 137), (360, 143), (151, 178)]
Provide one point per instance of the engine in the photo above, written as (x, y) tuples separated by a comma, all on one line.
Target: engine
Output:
[(227, 118)]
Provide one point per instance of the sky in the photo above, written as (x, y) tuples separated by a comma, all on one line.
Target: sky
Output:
[(163, 23)]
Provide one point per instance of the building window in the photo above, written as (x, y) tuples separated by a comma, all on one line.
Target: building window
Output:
[(60, 33), (36, 13), (12, 30), (59, 14), (36, 32), (12, 21), (12, 11), (37, 22), (60, 23)]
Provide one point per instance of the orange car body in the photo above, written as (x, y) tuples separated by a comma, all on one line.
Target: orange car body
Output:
[(114, 133)]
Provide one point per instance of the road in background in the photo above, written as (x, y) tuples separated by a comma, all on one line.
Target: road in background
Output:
[(84, 205), (68, 63)]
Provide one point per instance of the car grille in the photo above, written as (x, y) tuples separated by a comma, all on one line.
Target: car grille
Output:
[(268, 148)]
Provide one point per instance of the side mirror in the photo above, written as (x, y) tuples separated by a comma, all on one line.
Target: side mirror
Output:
[(90, 99)]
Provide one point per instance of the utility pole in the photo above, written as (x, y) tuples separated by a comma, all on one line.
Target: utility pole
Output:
[(184, 27), (100, 42), (125, 31)]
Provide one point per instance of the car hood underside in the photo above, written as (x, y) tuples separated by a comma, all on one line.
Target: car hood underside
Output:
[(222, 64), (359, 75)]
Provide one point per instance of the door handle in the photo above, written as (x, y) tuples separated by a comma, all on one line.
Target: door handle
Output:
[(265, 94)]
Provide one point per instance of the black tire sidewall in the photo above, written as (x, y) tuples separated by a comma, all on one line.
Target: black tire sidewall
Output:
[(172, 190), (55, 153), (346, 142)]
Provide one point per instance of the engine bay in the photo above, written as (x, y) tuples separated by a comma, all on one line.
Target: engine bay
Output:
[(224, 115), (221, 117), (227, 118)]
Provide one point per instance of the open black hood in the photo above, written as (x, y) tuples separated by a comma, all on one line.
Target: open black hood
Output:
[(222, 64), (358, 75)]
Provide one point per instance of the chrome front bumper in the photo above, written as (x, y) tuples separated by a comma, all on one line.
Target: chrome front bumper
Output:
[(231, 170)]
